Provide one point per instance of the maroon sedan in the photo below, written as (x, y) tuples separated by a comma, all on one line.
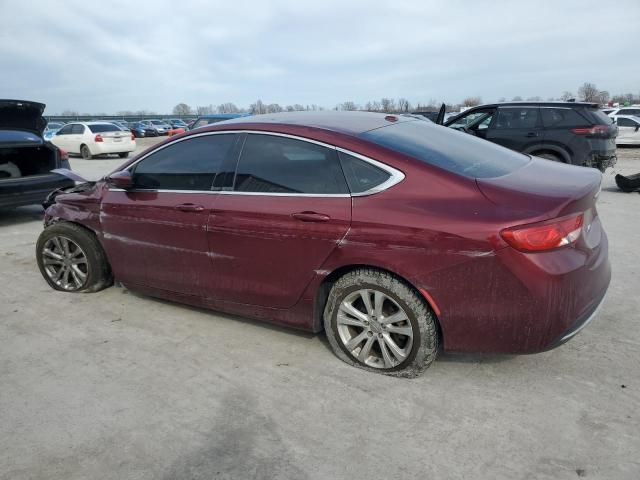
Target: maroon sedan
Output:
[(394, 235)]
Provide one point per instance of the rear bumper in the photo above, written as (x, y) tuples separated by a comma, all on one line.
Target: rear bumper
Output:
[(580, 323), (113, 147), (30, 190)]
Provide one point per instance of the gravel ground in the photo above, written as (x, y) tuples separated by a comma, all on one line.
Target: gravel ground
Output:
[(116, 385)]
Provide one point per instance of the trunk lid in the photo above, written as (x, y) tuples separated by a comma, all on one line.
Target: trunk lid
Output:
[(22, 115), (543, 189)]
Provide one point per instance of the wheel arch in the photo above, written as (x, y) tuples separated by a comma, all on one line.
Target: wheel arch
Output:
[(550, 148), (322, 294)]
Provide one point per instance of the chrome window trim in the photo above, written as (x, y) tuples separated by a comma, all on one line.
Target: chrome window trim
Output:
[(396, 176)]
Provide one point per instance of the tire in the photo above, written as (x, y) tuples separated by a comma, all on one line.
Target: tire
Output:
[(82, 251), (550, 156), (418, 345), (123, 154), (85, 152)]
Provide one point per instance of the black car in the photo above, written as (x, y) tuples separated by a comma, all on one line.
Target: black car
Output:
[(26, 158), (570, 132)]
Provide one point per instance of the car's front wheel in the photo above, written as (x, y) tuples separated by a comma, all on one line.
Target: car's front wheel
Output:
[(375, 321), (71, 259)]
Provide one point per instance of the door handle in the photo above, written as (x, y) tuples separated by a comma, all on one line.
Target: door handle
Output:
[(311, 217), (189, 207), (531, 135)]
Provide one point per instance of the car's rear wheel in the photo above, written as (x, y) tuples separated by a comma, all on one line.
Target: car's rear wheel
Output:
[(85, 152), (123, 154), (375, 321), (71, 259)]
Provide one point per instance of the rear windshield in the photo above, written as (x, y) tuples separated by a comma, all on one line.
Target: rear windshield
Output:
[(448, 149), (104, 127), (601, 117)]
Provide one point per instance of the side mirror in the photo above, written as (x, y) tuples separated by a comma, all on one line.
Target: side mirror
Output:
[(121, 179), (637, 127)]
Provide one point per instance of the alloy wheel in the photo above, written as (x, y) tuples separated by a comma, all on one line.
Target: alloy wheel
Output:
[(374, 329), (65, 263)]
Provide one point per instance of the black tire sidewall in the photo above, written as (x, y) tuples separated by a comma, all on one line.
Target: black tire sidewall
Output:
[(84, 149)]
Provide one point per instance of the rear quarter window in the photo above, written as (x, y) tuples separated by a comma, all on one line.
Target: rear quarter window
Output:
[(562, 117), (448, 149)]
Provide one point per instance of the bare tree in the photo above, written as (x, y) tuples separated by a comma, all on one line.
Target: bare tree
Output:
[(535, 98), (588, 92), (182, 109), (603, 97), (566, 96), (227, 108), (258, 107), (502, 99), (403, 105), (517, 98), (472, 101), (204, 110), (348, 106), (69, 113), (388, 105)]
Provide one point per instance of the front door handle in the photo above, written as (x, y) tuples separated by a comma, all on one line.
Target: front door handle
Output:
[(531, 135), (311, 217), (189, 207)]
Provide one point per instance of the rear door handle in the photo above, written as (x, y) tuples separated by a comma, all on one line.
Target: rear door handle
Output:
[(311, 217), (531, 135), (189, 207)]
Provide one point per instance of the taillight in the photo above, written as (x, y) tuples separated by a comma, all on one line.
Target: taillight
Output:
[(596, 130), (548, 235), (98, 138), (64, 155)]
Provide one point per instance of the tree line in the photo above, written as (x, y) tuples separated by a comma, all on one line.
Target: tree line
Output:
[(587, 92)]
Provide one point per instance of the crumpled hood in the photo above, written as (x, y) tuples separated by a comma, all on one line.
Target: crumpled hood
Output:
[(22, 115)]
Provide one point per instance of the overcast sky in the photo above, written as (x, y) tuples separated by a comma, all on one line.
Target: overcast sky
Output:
[(131, 55)]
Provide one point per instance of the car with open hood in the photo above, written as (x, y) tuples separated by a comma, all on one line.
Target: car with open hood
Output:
[(26, 158)]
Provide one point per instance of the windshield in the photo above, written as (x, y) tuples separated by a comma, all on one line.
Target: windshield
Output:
[(448, 149), (157, 122)]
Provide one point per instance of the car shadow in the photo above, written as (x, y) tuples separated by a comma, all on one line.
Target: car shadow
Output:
[(18, 215), (486, 358), (228, 316)]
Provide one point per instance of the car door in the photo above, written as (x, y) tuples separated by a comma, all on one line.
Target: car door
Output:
[(627, 131), (288, 209), (155, 233), (516, 127), (61, 138), (77, 138)]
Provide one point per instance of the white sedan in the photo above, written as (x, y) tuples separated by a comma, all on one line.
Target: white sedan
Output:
[(628, 129), (90, 139)]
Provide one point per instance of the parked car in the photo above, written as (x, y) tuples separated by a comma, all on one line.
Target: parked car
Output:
[(26, 158), (628, 129), (141, 130), (569, 132), (161, 127), (177, 123), (321, 220), (632, 110), (607, 111), (91, 139), (430, 115), (122, 124), (205, 120), (51, 129)]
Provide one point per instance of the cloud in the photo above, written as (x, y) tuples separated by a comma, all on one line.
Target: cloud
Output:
[(124, 55)]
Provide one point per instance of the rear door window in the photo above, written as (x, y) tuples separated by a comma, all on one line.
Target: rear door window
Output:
[(274, 164), (190, 164), (626, 122), (516, 118), (66, 130), (77, 129)]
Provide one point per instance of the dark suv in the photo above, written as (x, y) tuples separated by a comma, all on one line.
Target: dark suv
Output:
[(568, 132)]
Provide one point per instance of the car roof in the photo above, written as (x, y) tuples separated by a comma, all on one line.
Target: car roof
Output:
[(538, 104), (353, 123)]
